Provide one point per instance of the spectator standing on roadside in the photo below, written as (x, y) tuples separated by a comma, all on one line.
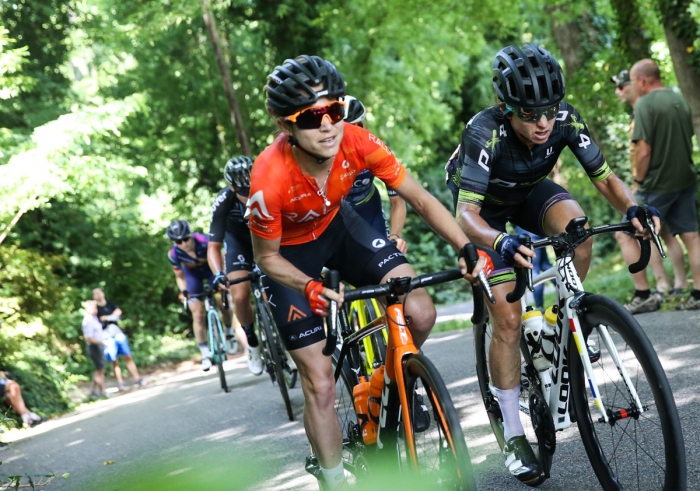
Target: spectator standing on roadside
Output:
[(92, 332), (664, 168), (644, 300), (116, 343)]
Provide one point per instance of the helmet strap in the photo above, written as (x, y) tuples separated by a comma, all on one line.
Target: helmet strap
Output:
[(295, 142)]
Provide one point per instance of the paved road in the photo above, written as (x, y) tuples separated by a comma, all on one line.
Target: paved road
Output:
[(184, 433)]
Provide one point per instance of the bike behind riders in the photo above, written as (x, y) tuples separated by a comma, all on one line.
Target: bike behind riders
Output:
[(499, 174), (364, 196), (300, 223), (188, 257), (227, 224)]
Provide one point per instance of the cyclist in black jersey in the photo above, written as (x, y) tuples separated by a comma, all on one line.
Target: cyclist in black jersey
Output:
[(364, 197), (499, 174), (227, 224)]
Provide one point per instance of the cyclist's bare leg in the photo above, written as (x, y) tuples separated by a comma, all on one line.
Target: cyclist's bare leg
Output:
[(504, 351), (242, 308), (198, 320), (320, 419), (418, 305), (555, 222)]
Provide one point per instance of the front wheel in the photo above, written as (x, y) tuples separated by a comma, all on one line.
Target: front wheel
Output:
[(218, 347), (438, 451), (274, 347), (635, 450)]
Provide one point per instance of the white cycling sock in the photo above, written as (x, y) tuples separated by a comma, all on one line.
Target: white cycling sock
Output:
[(508, 399), (26, 417), (335, 476), (204, 349)]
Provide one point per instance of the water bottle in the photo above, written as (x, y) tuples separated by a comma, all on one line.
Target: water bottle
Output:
[(532, 328), (376, 385), (360, 394), (549, 329)]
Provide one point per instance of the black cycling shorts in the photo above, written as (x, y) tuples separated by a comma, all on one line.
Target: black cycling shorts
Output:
[(350, 245), (528, 214), (239, 251)]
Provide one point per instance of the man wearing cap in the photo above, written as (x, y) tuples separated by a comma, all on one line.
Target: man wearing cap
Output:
[(664, 168), (644, 300)]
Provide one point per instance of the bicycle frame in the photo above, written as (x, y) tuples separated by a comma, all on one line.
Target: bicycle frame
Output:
[(399, 346), (556, 387)]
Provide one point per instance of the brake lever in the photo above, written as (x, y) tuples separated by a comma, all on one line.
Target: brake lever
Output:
[(526, 240), (472, 258), (654, 237)]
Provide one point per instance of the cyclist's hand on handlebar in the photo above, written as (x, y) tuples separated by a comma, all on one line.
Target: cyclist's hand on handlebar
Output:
[(484, 264), (183, 295), (319, 296), (513, 252), (220, 281), (400, 244), (637, 216)]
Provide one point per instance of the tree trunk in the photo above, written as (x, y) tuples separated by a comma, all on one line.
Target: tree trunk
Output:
[(236, 119), (688, 79), (631, 40)]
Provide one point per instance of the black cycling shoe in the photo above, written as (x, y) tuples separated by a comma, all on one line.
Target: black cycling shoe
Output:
[(421, 416), (520, 460)]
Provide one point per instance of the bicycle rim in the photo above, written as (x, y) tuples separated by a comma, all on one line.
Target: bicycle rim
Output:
[(642, 451), (274, 348), (442, 458), (482, 342), (219, 350), (347, 418)]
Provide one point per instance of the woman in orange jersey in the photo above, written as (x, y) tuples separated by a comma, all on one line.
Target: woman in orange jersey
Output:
[(300, 223)]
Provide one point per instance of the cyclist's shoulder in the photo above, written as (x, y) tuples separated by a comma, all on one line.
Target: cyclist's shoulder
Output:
[(487, 125), (200, 238)]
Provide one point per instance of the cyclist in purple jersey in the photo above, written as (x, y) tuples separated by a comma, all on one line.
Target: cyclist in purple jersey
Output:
[(227, 224), (364, 197), (189, 259)]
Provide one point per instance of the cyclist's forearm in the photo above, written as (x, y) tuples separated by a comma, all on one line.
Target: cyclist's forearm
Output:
[(181, 282), (397, 215), (440, 220), (469, 219), (616, 193), (271, 262), (214, 256)]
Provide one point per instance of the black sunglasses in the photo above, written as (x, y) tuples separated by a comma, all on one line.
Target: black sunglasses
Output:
[(178, 242)]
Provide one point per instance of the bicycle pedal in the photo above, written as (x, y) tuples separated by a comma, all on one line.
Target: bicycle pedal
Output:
[(312, 466)]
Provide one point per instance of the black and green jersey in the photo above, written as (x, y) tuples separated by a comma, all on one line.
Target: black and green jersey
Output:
[(492, 165)]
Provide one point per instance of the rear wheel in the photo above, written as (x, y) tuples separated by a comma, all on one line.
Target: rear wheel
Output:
[(274, 348), (219, 345), (634, 451), (541, 439), (438, 449)]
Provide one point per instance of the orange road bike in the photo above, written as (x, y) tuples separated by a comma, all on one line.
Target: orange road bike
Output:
[(407, 415)]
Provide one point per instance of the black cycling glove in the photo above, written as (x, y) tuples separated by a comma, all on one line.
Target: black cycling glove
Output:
[(507, 246), (220, 279), (641, 212)]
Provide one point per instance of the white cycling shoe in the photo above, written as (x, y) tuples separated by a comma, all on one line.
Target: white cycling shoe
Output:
[(206, 364), (231, 345), (255, 364)]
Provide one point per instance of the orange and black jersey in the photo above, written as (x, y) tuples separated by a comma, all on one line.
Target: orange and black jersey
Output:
[(284, 202), (492, 165)]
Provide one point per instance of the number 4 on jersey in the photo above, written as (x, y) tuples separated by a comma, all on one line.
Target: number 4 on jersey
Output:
[(585, 140)]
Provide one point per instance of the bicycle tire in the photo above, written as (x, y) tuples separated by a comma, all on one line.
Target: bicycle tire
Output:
[(482, 339), (219, 346), (274, 348), (609, 446), (441, 452), (353, 446)]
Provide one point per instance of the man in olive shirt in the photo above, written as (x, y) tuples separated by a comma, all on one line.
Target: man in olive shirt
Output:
[(644, 300), (665, 171)]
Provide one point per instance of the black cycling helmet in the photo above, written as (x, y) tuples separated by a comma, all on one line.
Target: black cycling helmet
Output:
[(237, 171), (178, 230), (355, 112), (528, 77), (288, 88)]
